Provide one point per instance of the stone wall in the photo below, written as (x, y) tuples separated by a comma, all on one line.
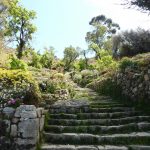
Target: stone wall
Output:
[(135, 83), (21, 127)]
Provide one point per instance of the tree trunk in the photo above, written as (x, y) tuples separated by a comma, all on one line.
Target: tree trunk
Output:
[(20, 49)]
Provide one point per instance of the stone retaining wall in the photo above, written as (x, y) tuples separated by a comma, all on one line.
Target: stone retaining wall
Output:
[(21, 127), (135, 83)]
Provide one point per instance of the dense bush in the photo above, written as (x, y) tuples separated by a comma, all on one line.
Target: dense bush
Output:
[(105, 85), (15, 63), (18, 85), (57, 82), (126, 63), (130, 43), (106, 63)]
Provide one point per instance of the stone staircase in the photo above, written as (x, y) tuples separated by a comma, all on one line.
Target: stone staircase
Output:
[(97, 125)]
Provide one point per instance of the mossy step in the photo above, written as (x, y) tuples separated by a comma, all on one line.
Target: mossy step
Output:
[(120, 121), (81, 147), (95, 115), (89, 110), (127, 128), (93, 147), (140, 138), (107, 106)]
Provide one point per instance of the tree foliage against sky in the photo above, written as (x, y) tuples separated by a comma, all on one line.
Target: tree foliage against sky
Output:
[(103, 30), (143, 5), (19, 26), (70, 55)]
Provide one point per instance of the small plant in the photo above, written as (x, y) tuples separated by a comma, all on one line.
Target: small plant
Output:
[(127, 62), (14, 102)]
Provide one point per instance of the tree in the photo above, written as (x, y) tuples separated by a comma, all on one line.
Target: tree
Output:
[(48, 57), (130, 43), (104, 28), (142, 5), (70, 55), (19, 27), (3, 14)]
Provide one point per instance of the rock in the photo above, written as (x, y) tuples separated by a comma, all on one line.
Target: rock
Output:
[(42, 123), (29, 128), (39, 112), (8, 111), (13, 130), (25, 110), (146, 77), (15, 120), (7, 122), (26, 142)]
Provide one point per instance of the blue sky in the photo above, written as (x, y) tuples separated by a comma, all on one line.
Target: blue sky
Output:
[(62, 23)]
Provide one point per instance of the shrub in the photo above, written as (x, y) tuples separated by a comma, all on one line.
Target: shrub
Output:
[(16, 84), (15, 63), (35, 60), (126, 63), (131, 43)]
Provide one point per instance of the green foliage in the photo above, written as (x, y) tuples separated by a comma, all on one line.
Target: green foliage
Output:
[(106, 62), (70, 55), (131, 43), (143, 5), (126, 63), (100, 37), (15, 63), (35, 60), (47, 58), (18, 84), (19, 27), (80, 65)]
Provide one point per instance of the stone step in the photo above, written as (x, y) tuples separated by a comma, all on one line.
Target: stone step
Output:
[(89, 110), (120, 121), (107, 105), (95, 115), (92, 147), (127, 128), (140, 138)]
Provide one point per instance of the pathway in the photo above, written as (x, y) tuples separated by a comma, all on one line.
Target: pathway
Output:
[(95, 122)]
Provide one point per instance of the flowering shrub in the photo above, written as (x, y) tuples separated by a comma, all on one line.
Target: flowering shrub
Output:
[(14, 102), (15, 85)]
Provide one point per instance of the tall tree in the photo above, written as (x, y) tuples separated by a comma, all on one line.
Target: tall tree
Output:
[(143, 5), (103, 30), (70, 55), (19, 26)]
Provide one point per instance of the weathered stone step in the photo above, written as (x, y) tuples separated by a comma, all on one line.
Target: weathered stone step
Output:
[(120, 121), (127, 128), (90, 110), (140, 138), (90, 147), (106, 105), (95, 115)]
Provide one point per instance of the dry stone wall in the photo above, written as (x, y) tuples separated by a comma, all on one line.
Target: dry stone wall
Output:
[(135, 83), (21, 127)]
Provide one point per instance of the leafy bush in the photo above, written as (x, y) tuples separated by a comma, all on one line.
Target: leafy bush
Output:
[(131, 43), (17, 84), (35, 60), (127, 62), (15, 63)]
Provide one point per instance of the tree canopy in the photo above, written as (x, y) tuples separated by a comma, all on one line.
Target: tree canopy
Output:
[(19, 26), (143, 5), (70, 55), (103, 30)]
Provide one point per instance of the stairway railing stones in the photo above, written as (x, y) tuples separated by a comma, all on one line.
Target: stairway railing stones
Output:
[(21, 127)]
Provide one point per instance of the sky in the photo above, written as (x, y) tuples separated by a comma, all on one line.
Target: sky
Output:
[(61, 23)]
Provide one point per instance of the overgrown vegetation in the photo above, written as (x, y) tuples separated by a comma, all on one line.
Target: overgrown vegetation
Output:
[(26, 73)]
